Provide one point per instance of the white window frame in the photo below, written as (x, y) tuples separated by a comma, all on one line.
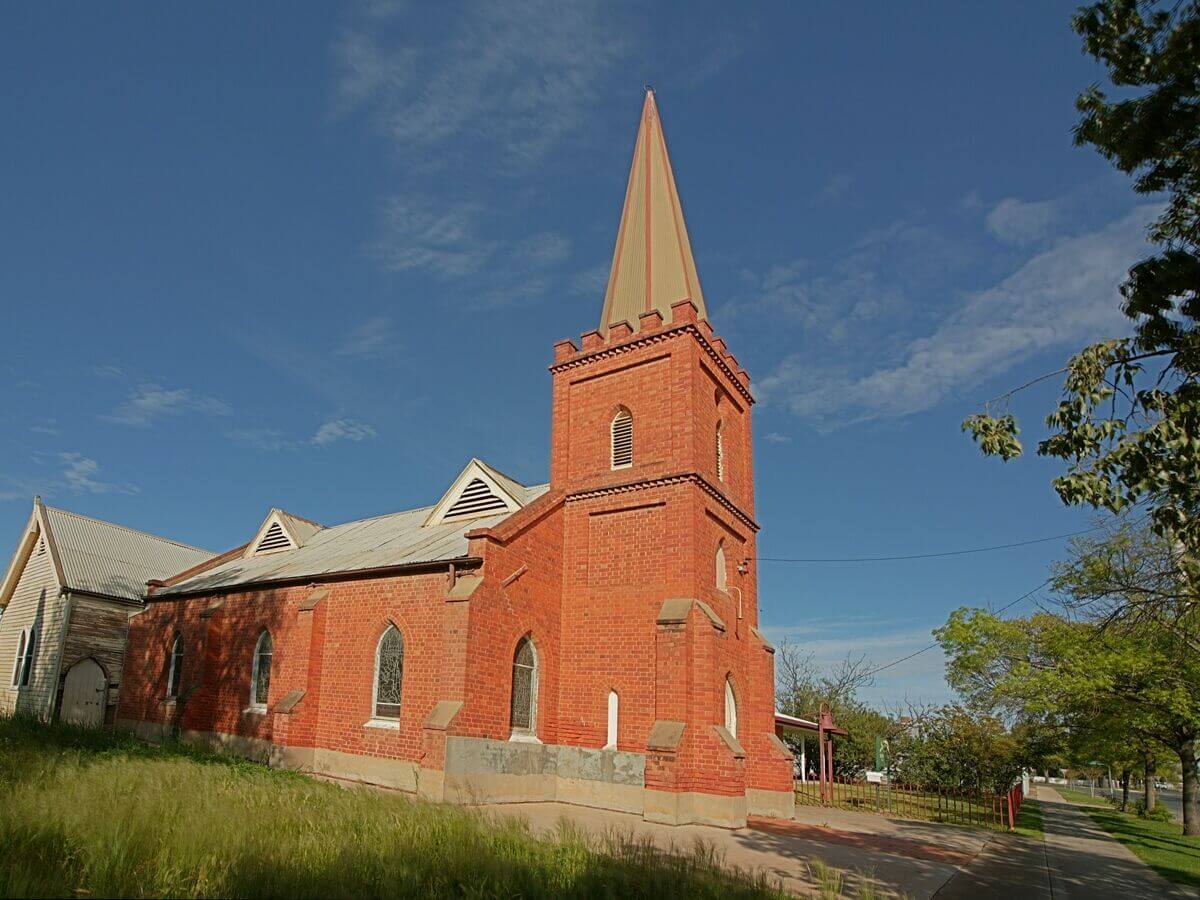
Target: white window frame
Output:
[(376, 720), (526, 734), (720, 452), (614, 712), (173, 668), (621, 413), (255, 706), (22, 643), (731, 711)]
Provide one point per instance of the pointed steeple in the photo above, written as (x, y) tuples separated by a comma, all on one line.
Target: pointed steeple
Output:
[(652, 265)]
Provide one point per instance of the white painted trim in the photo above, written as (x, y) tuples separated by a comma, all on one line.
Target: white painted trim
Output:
[(389, 724), (475, 469), (614, 719)]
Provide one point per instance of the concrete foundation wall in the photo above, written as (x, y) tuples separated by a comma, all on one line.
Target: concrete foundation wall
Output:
[(693, 808), (773, 804)]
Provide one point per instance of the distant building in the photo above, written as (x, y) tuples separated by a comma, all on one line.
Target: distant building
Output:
[(592, 640), (65, 603)]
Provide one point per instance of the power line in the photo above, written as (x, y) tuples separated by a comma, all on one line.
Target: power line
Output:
[(861, 559), (896, 662)]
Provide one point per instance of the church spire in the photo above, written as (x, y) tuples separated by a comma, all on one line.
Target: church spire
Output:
[(652, 265)]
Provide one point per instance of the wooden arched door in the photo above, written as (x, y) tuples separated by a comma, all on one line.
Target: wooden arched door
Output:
[(84, 694)]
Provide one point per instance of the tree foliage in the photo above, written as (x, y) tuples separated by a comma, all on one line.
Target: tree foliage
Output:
[(1128, 423)]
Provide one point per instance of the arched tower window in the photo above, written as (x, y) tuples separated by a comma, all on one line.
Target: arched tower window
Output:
[(720, 453), (524, 689), (622, 439), (175, 667), (614, 705), (260, 677), (389, 674), (722, 579), (731, 713)]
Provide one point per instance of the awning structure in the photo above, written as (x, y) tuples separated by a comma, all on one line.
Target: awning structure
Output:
[(825, 731)]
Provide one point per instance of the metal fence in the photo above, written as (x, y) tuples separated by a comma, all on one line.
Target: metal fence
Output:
[(980, 809)]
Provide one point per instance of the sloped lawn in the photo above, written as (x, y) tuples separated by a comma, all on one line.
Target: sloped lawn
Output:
[(91, 814)]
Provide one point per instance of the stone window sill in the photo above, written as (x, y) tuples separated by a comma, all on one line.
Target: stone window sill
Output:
[(523, 738), (254, 711), (388, 724)]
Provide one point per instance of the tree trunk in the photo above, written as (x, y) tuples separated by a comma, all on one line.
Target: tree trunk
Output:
[(1124, 789), (1151, 791), (1191, 812)]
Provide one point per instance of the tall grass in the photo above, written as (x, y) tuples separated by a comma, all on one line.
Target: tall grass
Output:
[(99, 814)]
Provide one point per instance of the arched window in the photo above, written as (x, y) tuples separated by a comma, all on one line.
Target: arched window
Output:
[(175, 669), (389, 674), (524, 689), (622, 439), (614, 703), (720, 454), (730, 707), (260, 681), (722, 578)]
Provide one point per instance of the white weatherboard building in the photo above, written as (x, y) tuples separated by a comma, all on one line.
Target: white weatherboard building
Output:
[(65, 603)]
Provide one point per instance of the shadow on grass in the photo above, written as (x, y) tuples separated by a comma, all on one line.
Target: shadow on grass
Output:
[(1161, 845), (98, 814)]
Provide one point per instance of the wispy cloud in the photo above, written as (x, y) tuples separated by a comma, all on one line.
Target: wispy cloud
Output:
[(774, 437), (148, 403), (837, 186), (1059, 297), (513, 79), (342, 430), (1021, 222), (442, 238), (80, 476), (373, 338), (544, 249)]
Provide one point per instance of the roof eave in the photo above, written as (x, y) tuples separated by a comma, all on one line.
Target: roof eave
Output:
[(430, 565)]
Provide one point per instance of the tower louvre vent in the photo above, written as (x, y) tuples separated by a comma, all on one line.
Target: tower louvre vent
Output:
[(477, 499), (622, 440), (275, 539)]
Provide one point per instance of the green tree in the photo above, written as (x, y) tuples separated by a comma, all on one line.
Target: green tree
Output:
[(1083, 679), (1128, 423), (961, 749)]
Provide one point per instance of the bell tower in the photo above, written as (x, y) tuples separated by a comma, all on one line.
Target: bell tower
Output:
[(651, 449)]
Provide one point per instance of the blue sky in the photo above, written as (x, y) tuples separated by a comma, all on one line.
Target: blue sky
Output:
[(286, 254)]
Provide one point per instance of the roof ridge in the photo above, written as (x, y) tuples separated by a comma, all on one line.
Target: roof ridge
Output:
[(156, 537), (299, 518)]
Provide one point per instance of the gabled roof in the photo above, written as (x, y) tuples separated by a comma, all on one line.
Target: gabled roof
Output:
[(477, 491), (402, 538), (652, 265), (98, 557), (281, 531)]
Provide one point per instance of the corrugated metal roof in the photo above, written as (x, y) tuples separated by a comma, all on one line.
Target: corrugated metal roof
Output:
[(109, 559), (392, 540)]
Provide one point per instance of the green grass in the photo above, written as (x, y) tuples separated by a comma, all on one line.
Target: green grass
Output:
[(1160, 845), (1029, 819), (1083, 798), (100, 814)]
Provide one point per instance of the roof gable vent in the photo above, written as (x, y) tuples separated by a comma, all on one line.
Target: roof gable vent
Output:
[(478, 491), (477, 499), (274, 539)]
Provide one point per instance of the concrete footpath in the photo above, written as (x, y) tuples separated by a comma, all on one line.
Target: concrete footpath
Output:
[(903, 858), (1074, 859)]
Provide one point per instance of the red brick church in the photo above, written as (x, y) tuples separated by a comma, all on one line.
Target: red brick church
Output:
[(592, 640)]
